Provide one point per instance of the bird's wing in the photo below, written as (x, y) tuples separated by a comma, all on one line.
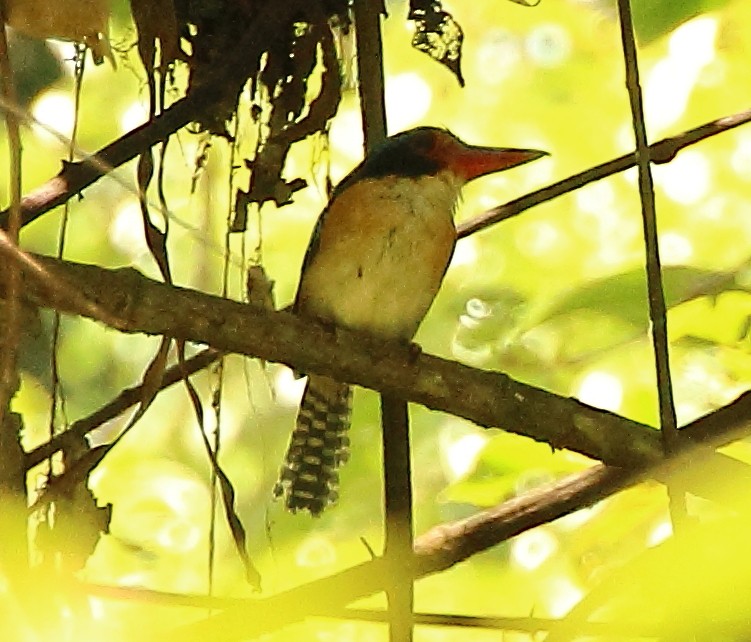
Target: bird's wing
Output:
[(313, 246)]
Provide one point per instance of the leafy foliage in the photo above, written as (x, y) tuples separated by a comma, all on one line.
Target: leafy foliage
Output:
[(555, 297)]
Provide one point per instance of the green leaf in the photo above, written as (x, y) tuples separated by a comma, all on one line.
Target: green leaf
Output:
[(507, 464), (656, 18), (624, 296)]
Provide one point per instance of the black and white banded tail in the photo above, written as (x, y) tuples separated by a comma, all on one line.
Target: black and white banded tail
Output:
[(309, 477)]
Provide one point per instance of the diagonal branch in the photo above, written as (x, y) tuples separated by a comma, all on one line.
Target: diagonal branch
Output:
[(434, 552), (125, 400), (136, 304), (74, 177), (142, 305), (489, 399), (661, 152)]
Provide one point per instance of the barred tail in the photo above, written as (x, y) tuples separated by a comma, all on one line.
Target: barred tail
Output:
[(309, 477)]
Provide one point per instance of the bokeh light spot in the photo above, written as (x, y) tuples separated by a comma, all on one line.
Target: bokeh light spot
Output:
[(601, 390), (498, 56), (659, 533), (408, 99), (133, 116), (597, 198), (549, 45), (462, 454), (287, 387), (315, 551), (740, 159), (532, 549), (672, 79), (686, 179), (465, 253), (675, 248), (693, 42), (564, 595), (126, 231), (537, 238), (478, 309), (179, 536), (346, 138), (54, 111)]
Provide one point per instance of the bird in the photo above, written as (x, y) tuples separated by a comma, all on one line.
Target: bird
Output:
[(374, 263)]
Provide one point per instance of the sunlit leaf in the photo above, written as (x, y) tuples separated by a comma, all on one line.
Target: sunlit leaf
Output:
[(655, 18), (437, 34), (624, 296), (508, 464)]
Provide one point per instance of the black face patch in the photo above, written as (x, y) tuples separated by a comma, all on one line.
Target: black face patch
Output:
[(406, 154)]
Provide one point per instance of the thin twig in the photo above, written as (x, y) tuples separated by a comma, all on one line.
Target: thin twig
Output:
[(370, 70), (125, 400), (529, 624), (399, 540), (69, 181), (656, 294), (397, 496), (661, 152), (57, 394)]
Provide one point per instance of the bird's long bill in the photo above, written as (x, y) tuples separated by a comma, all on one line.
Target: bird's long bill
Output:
[(473, 161)]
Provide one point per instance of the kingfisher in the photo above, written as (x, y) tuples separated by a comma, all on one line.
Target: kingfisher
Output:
[(375, 261)]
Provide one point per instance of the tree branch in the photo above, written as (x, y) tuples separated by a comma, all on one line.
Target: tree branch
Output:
[(126, 399), (661, 152), (142, 305), (74, 177), (434, 552), (136, 304), (490, 399), (655, 289), (438, 549)]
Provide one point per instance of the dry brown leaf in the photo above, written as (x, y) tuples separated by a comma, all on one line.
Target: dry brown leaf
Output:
[(85, 21), (156, 20)]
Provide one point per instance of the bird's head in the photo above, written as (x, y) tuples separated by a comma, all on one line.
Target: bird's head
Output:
[(426, 151)]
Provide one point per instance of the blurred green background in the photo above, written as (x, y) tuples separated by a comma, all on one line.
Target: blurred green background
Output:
[(555, 297)]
